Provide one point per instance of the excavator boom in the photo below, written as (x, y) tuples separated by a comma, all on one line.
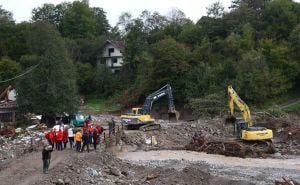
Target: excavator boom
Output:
[(233, 98)]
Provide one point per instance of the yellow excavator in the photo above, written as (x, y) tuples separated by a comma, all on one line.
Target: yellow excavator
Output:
[(244, 128), (140, 118)]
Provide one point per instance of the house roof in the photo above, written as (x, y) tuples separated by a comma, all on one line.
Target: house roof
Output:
[(116, 44)]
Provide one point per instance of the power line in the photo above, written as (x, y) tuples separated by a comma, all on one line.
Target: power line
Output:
[(20, 75)]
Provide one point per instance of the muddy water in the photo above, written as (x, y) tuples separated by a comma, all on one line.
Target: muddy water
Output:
[(290, 164)]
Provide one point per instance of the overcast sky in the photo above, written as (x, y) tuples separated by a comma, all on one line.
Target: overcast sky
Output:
[(193, 9)]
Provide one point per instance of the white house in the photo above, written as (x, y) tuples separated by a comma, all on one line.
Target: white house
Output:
[(112, 55)]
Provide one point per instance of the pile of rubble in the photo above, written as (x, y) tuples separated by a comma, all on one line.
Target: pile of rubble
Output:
[(228, 147), (287, 181), (286, 135), (16, 142)]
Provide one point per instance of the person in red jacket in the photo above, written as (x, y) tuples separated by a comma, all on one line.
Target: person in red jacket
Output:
[(59, 138), (85, 125), (90, 132), (65, 137)]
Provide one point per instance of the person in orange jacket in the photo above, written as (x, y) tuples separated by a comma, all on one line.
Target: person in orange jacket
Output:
[(65, 137), (78, 140), (59, 138)]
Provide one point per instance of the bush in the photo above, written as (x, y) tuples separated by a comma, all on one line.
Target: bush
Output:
[(210, 105)]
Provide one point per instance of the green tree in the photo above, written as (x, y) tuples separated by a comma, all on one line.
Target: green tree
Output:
[(215, 10), (247, 41), (102, 25), (50, 13), (295, 40), (79, 21), (256, 82), (135, 44), (85, 76), (8, 68), (6, 29), (51, 88), (4, 14), (169, 65), (280, 17), (106, 84)]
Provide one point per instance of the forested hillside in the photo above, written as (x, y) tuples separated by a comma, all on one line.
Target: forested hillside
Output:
[(254, 46)]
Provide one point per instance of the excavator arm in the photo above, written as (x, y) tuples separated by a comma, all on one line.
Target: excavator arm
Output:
[(233, 98), (164, 91)]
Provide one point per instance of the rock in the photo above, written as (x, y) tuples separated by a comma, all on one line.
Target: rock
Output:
[(114, 171), (92, 181), (277, 154), (60, 182), (78, 171), (18, 130), (193, 125), (124, 173), (67, 181)]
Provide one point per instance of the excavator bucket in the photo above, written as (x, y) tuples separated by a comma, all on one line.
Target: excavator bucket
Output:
[(174, 115), (230, 119)]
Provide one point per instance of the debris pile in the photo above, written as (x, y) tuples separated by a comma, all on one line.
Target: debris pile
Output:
[(16, 142), (229, 147), (287, 181), (286, 135)]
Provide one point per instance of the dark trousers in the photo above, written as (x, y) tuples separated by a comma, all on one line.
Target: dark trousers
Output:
[(65, 145), (59, 145), (78, 146), (87, 146), (46, 164), (95, 142), (71, 140), (90, 138)]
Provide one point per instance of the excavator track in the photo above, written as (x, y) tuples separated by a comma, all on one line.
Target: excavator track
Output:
[(151, 126)]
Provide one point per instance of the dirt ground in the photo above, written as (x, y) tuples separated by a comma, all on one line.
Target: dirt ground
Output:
[(134, 161)]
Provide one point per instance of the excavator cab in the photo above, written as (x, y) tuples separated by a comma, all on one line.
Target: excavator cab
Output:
[(136, 110)]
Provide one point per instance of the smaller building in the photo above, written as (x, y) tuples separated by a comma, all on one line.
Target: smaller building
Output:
[(112, 55), (8, 106)]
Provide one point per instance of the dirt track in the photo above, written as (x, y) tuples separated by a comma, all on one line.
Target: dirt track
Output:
[(259, 171), (28, 169)]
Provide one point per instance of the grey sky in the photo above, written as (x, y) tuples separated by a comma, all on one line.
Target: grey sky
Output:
[(193, 9)]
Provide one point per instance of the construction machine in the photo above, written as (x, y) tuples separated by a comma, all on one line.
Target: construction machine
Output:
[(244, 128), (140, 118)]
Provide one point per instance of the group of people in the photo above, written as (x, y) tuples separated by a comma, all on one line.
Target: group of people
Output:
[(59, 138), (88, 135)]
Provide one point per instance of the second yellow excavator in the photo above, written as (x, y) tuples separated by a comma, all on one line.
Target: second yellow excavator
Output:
[(244, 129)]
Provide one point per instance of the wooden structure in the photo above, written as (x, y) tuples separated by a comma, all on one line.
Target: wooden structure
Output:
[(8, 112), (8, 108)]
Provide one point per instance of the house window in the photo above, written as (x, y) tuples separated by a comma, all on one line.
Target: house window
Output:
[(117, 71), (115, 60), (110, 50)]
